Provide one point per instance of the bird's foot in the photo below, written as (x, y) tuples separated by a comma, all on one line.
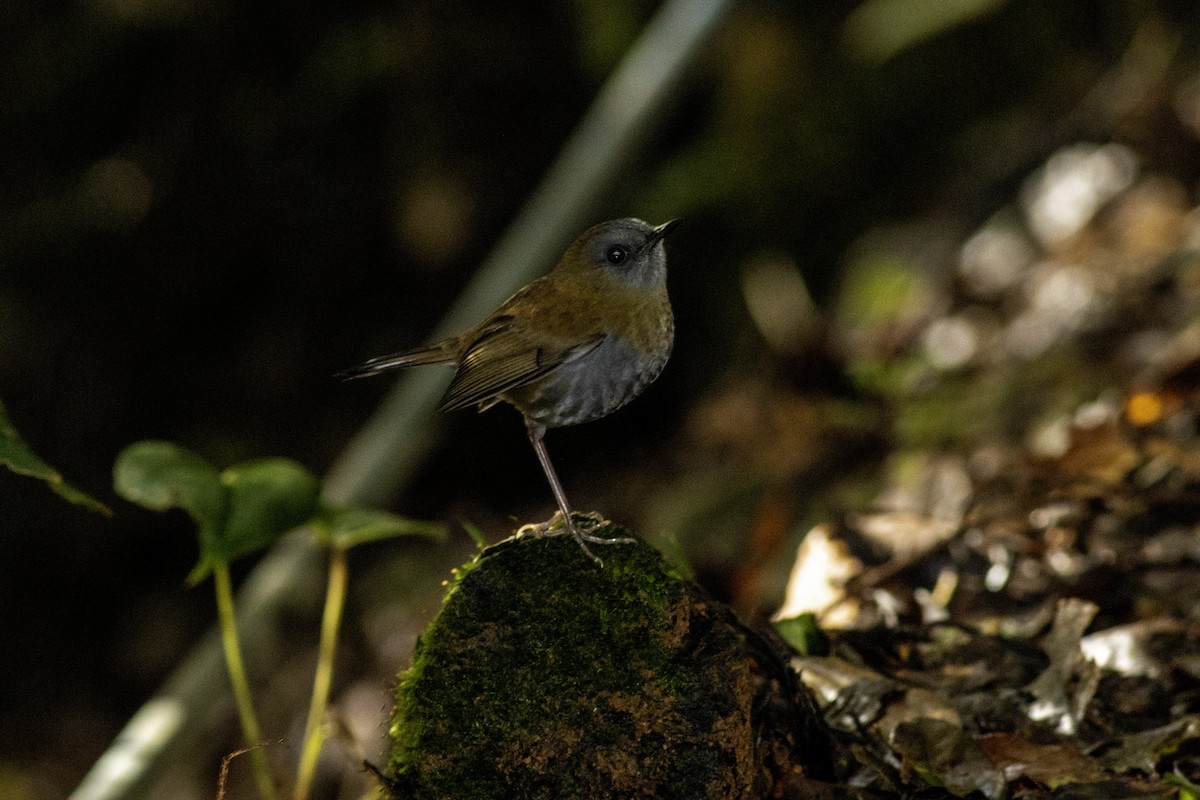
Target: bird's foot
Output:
[(580, 526)]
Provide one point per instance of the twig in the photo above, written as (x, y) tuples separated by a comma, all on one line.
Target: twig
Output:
[(223, 777)]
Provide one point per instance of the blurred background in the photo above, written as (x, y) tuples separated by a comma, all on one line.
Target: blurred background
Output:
[(207, 209)]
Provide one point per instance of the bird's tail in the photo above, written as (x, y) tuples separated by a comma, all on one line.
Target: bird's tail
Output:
[(440, 353)]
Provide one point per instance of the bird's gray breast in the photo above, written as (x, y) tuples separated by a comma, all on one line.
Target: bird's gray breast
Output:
[(591, 386)]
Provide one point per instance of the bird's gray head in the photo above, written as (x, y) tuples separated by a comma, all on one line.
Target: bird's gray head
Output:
[(628, 248)]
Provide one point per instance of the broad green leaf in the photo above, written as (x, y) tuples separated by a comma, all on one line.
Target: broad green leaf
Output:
[(350, 527), (17, 456), (267, 498), (162, 475)]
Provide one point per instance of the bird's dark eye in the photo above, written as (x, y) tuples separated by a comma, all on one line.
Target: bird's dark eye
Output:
[(616, 254)]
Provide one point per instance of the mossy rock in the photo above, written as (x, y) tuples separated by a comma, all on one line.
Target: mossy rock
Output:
[(545, 676)]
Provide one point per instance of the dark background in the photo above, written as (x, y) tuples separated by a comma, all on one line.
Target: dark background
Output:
[(209, 208)]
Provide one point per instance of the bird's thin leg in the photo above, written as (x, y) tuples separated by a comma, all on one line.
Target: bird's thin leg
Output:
[(536, 437)]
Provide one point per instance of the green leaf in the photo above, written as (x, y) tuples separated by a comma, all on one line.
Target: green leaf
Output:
[(350, 527), (267, 498), (241, 510), (17, 456), (477, 535), (162, 475), (880, 29), (1187, 789), (803, 634)]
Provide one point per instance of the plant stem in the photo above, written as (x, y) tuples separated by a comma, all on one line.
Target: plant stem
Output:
[(331, 619), (237, 679)]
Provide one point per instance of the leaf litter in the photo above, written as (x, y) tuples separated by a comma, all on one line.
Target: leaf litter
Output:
[(1017, 615)]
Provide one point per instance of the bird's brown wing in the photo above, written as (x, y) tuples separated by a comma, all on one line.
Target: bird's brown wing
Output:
[(502, 357)]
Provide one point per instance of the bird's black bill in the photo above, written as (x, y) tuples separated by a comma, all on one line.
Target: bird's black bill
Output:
[(662, 230)]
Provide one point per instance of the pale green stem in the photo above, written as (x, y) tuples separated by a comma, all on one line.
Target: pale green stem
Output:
[(237, 679), (331, 620)]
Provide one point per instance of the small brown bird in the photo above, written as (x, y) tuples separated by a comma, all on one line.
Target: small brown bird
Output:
[(573, 346)]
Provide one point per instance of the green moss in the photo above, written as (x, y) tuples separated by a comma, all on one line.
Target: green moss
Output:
[(544, 676)]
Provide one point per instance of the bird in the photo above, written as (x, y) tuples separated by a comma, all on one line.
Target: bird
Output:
[(571, 347)]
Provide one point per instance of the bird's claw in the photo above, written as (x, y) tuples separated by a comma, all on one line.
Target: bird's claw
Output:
[(589, 537), (580, 526)]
